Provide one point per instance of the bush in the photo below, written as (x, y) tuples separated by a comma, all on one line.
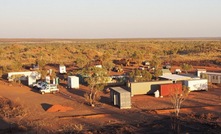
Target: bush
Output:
[(10, 109), (72, 128)]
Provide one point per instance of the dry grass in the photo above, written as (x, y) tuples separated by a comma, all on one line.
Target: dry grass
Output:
[(67, 51), (72, 128), (10, 109)]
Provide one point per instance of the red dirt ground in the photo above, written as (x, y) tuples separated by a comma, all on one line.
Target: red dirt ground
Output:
[(147, 115), (59, 108)]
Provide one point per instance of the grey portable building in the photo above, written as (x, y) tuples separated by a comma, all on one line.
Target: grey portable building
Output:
[(120, 97), (139, 88), (214, 78)]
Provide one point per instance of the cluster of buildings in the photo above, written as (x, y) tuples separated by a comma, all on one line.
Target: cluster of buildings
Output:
[(121, 96)]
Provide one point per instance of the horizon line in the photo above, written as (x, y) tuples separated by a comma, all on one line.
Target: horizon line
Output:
[(52, 38)]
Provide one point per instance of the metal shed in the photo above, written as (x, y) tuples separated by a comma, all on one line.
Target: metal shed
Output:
[(139, 88), (176, 77), (73, 81), (120, 97), (167, 89)]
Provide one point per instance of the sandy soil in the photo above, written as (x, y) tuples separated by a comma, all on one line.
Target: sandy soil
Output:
[(147, 115)]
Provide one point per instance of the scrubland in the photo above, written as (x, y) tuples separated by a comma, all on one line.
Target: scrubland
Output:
[(24, 110), (21, 52)]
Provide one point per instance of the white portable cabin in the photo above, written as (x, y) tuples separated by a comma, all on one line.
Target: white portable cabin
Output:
[(24, 74), (31, 80), (47, 79), (62, 69), (213, 77), (73, 82), (196, 84), (199, 72)]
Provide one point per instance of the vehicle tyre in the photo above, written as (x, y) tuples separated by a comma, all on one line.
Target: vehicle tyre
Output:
[(42, 92)]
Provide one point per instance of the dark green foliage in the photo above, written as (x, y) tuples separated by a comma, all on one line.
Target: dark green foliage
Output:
[(68, 51), (140, 75), (96, 79), (186, 67)]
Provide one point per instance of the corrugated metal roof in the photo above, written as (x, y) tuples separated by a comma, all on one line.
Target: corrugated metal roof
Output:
[(198, 80), (212, 73), (175, 77), (119, 89)]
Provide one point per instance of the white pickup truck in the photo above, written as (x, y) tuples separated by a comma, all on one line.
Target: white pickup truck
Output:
[(50, 88)]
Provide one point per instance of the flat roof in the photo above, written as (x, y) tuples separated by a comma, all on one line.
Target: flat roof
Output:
[(72, 76), (201, 69), (213, 73), (119, 89), (176, 77)]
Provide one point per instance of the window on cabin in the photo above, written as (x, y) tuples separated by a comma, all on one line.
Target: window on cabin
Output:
[(214, 77)]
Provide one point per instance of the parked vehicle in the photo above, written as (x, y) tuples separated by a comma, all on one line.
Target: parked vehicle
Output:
[(50, 88), (146, 63), (40, 85), (177, 71), (141, 68)]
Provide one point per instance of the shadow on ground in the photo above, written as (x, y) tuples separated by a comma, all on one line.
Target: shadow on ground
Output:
[(45, 106)]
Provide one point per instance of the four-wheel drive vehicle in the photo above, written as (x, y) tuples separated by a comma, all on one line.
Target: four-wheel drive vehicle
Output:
[(40, 84), (50, 88)]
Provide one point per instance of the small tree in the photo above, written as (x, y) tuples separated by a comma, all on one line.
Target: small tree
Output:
[(178, 98), (146, 75), (157, 73), (43, 73), (96, 79), (53, 75), (186, 67), (135, 75), (137, 56), (108, 65), (155, 62), (41, 63), (81, 62), (106, 61), (140, 75)]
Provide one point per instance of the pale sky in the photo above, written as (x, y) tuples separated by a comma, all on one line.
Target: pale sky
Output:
[(109, 18)]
